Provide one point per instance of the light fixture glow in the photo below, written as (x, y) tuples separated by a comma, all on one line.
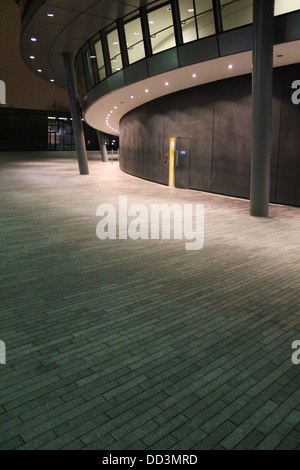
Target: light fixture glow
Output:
[(33, 39), (32, 57), (52, 81), (230, 66), (146, 91), (39, 70), (166, 83), (50, 15), (194, 75)]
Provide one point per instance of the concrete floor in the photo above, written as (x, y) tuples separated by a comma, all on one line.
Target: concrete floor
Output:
[(123, 344)]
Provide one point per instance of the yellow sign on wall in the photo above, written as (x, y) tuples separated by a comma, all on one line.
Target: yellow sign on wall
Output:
[(171, 163)]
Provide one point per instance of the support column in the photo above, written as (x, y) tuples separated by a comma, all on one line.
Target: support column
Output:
[(101, 140), (263, 23), (76, 114)]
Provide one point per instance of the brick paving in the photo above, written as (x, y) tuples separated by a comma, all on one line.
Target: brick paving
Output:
[(123, 344)]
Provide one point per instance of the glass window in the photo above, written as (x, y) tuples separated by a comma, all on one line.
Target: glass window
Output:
[(187, 17), (236, 13), (114, 51), (82, 88), (284, 6), (134, 40), (87, 64), (100, 60), (205, 18), (161, 29)]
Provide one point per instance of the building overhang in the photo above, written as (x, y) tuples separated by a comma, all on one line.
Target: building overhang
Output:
[(73, 23)]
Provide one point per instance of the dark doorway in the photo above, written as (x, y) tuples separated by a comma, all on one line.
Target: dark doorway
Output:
[(182, 162)]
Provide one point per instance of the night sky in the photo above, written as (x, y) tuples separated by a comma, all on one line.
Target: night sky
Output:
[(23, 88)]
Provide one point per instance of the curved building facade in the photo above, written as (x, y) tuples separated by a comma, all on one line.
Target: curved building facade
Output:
[(152, 70)]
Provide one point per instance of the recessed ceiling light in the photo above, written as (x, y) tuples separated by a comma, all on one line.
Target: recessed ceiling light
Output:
[(132, 97), (39, 70), (190, 10), (166, 83), (116, 107), (230, 66), (146, 91), (52, 80), (194, 75), (33, 39), (50, 15), (32, 57)]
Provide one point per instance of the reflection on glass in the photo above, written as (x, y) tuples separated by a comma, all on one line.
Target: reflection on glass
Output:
[(236, 13), (89, 69), (134, 40), (205, 18), (82, 88), (161, 29), (100, 60), (284, 6), (114, 51), (187, 16)]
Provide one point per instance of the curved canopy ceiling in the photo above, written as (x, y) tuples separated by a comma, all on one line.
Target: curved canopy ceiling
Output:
[(73, 23)]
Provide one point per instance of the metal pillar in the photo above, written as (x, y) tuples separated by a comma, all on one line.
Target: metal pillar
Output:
[(76, 114), (101, 140), (263, 23)]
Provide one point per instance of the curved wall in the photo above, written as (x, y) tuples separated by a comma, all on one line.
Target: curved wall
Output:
[(217, 117)]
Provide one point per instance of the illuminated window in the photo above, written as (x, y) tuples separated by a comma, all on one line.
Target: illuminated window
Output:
[(100, 60), (114, 51), (187, 17), (205, 18), (161, 29), (134, 40), (236, 13), (284, 6)]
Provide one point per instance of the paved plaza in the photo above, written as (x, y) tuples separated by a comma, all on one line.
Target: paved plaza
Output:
[(140, 344)]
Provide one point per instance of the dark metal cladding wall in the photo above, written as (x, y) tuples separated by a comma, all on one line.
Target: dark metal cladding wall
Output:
[(217, 117)]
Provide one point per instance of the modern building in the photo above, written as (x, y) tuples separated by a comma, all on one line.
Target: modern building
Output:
[(151, 71)]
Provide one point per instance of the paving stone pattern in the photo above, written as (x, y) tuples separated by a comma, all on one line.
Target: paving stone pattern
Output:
[(140, 344)]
